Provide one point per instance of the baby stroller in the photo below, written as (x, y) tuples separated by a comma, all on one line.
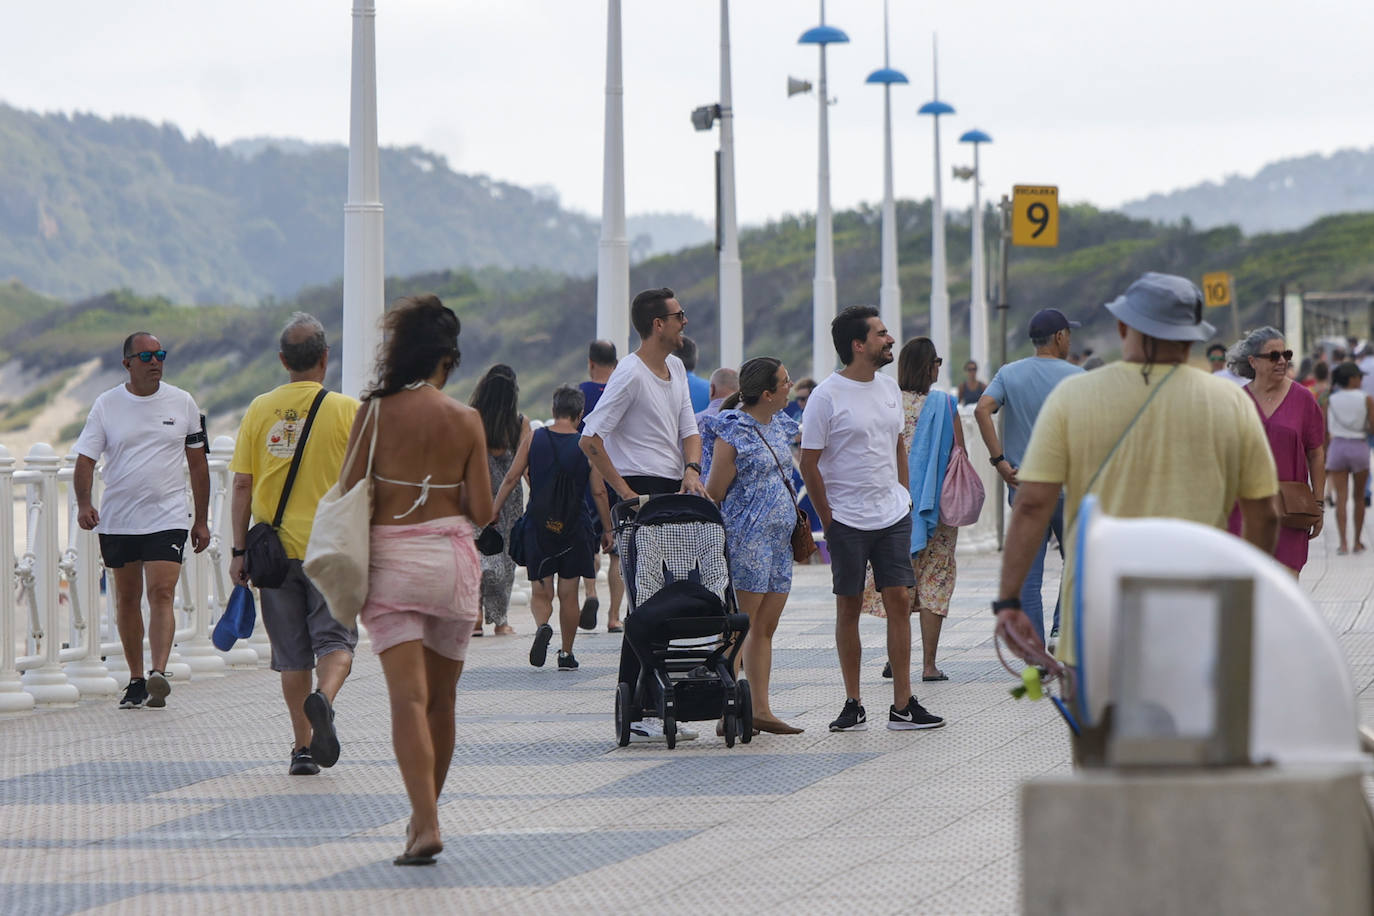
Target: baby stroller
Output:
[(684, 626)]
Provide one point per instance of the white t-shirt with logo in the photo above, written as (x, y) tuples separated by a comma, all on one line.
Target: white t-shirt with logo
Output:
[(143, 441), (856, 426), (643, 419)]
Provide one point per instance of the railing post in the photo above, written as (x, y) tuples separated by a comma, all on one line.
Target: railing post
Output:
[(47, 682), (13, 699), (80, 567), (197, 650), (242, 654)]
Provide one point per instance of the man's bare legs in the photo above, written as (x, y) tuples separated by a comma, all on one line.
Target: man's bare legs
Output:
[(161, 576), (847, 643), (331, 670), (421, 685), (128, 585)]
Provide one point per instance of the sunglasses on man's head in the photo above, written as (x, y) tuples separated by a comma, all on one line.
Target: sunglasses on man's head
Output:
[(147, 356), (1275, 355)]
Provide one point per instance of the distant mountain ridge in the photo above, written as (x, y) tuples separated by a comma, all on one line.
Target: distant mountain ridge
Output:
[(1280, 197)]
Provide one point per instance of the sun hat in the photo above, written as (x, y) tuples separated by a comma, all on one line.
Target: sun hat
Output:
[(1163, 306)]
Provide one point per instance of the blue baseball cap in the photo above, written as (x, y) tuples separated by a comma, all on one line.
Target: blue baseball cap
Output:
[(1048, 322)]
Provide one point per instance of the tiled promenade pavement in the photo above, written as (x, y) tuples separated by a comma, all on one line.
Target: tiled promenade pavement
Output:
[(190, 810)]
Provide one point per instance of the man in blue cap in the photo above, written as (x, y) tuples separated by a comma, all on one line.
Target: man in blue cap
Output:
[(1148, 436), (1018, 391)]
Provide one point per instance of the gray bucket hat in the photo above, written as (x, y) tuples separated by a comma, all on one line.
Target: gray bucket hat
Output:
[(1164, 306)]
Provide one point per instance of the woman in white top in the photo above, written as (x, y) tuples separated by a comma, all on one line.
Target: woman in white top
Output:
[(1349, 416)]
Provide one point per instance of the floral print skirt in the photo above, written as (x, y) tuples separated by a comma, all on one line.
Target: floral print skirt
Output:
[(935, 573)]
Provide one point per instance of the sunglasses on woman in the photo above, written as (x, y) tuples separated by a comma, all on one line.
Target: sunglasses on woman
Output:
[(147, 356), (1275, 355)]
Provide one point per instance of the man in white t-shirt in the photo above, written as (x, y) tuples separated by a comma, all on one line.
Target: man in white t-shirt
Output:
[(642, 437), (145, 429), (854, 464)]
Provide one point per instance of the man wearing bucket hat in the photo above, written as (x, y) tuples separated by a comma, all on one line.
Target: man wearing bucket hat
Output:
[(1018, 391), (1148, 436)]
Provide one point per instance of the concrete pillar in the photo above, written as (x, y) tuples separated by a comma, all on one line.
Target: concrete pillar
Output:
[(13, 698), (47, 682), (364, 270), (613, 253)]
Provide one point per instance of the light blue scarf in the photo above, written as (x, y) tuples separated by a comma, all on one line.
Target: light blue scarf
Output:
[(926, 463)]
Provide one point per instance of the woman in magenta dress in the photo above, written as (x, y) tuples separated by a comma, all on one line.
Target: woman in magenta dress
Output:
[(1294, 424)]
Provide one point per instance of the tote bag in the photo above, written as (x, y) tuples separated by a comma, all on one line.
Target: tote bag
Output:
[(961, 494), (336, 558)]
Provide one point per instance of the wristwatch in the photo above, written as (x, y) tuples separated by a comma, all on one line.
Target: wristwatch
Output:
[(235, 552), (1006, 604), (998, 460), (694, 466)]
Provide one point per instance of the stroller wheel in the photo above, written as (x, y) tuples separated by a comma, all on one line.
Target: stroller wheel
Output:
[(744, 702), (729, 729), (624, 698), (670, 731)]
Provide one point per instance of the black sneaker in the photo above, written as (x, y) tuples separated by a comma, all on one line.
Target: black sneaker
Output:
[(566, 662), (302, 764), (852, 718), (589, 608), (324, 741), (539, 652), (913, 717), (158, 688), (135, 695)]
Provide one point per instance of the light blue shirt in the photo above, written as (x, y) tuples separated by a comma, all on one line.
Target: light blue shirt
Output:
[(1020, 389)]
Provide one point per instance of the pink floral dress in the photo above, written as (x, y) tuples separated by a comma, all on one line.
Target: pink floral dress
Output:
[(934, 567)]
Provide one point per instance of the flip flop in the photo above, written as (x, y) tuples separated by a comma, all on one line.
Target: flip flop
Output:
[(615, 629), (939, 677), (406, 858)]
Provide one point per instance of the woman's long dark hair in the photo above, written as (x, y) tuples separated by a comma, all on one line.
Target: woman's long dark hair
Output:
[(756, 376), (418, 335), (916, 364), (496, 399)]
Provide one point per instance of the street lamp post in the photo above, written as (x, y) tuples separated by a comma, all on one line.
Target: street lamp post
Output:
[(890, 292), (613, 253), (939, 289), (364, 290), (978, 296), (823, 285)]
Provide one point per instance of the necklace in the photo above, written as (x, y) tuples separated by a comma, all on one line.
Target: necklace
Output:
[(419, 383)]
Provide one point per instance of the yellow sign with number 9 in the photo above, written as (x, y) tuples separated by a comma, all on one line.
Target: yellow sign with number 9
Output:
[(1035, 215)]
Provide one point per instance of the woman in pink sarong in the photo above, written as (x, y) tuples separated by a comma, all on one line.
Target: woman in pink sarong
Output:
[(424, 575), (1295, 427)]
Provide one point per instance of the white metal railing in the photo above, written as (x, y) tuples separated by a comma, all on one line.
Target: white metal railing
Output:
[(58, 639)]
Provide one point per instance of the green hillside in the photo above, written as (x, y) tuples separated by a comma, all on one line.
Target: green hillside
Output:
[(539, 322)]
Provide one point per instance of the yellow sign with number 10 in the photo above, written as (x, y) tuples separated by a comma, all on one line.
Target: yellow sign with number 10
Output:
[(1216, 289), (1035, 215)]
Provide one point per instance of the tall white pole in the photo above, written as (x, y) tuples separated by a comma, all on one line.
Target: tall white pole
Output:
[(613, 254), (731, 280), (939, 290), (889, 292), (364, 292), (978, 298), (823, 286)]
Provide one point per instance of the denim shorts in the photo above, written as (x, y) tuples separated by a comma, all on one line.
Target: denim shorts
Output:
[(852, 550)]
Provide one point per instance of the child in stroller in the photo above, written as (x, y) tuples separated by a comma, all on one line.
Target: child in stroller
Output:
[(684, 630)]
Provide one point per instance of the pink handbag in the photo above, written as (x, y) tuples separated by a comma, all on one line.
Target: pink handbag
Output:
[(962, 494)]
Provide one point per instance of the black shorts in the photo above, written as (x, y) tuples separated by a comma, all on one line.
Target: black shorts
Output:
[(119, 549), (887, 549)]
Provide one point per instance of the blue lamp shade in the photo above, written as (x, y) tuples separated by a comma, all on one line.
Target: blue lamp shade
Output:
[(936, 107), (975, 136), (823, 35), (887, 75)]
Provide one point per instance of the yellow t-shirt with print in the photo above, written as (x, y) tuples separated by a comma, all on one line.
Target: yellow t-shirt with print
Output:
[(267, 441), (1198, 447)]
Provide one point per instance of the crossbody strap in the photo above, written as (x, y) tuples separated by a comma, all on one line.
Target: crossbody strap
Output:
[(296, 458), (1129, 426), (785, 478)]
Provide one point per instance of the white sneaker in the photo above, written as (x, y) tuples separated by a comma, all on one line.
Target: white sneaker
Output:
[(647, 731)]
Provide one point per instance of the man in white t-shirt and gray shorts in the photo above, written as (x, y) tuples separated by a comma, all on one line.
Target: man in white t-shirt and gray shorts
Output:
[(145, 429), (642, 437), (854, 464)]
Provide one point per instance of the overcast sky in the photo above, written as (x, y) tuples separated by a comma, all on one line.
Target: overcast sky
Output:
[(1109, 101)]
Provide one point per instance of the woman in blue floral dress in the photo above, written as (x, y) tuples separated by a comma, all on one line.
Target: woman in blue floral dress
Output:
[(751, 455)]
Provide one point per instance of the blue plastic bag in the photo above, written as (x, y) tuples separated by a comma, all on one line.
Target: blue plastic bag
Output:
[(237, 620)]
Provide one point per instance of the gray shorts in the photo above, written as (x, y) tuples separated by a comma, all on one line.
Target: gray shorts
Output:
[(852, 550), (299, 623)]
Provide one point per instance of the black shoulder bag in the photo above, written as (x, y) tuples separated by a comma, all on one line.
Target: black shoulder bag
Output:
[(264, 557)]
